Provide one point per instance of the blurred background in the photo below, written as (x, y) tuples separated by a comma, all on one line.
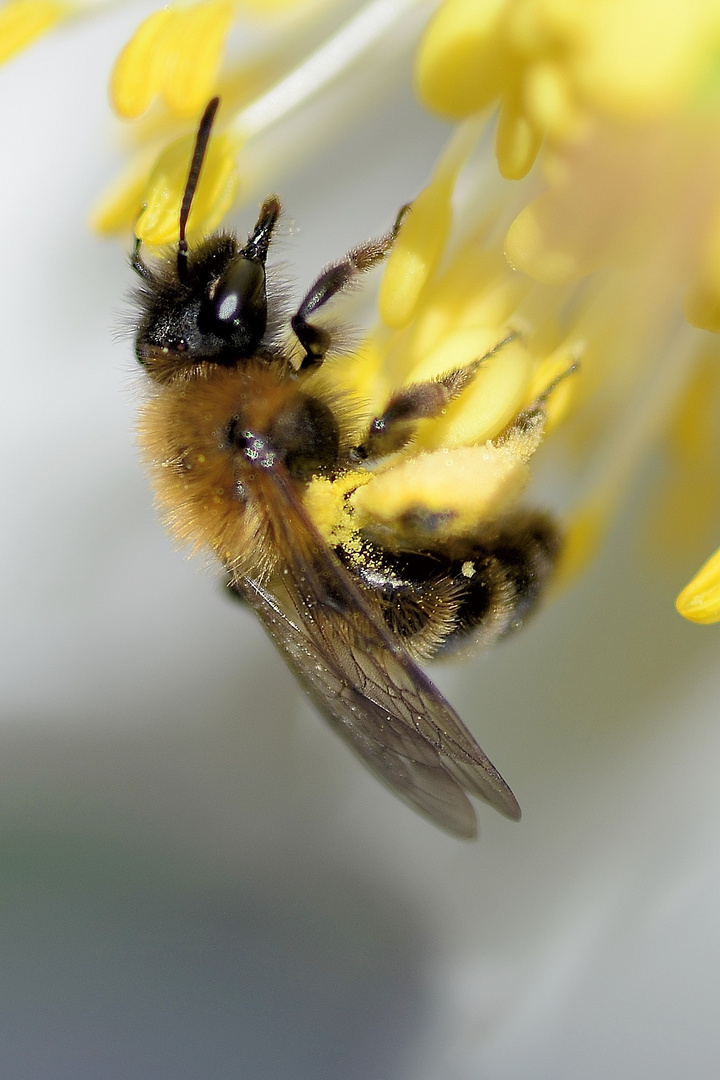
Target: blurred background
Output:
[(196, 877)]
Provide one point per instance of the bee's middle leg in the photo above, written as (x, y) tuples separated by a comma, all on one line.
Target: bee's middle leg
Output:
[(419, 401)]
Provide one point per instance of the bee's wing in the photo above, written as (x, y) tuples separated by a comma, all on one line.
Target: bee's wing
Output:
[(362, 680)]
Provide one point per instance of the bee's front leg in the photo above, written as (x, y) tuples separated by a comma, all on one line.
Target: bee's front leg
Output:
[(334, 279)]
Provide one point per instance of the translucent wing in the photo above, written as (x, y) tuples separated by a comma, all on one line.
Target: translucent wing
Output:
[(361, 679)]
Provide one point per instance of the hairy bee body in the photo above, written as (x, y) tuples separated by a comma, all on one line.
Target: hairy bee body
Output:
[(210, 481), (238, 427), (207, 481)]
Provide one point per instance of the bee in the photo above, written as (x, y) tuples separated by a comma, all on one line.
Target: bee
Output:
[(239, 424)]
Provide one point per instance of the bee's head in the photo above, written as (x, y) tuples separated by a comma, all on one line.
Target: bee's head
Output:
[(205, 304)]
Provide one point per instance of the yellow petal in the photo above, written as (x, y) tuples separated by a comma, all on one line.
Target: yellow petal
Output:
[(137, 72), (549, 100), (478, 289), (582, 538), (259, 8), (175, 53), (702, 305), (532, 26), (22, 21), (517, 141), (219, 181), (555, 367), (644, 58), (700, 600), (463, 63), (416, 254), (527, 248), (363, 375), (193, 54), (488, 405), (684, 513), (117, 210)]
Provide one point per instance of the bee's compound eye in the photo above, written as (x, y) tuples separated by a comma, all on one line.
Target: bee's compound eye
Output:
[(236, 310)]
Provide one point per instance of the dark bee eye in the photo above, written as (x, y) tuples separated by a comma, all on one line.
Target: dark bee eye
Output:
[(236, 309), (212, 305)]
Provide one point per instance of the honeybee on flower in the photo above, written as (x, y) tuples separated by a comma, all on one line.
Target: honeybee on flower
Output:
[(608, 892), (252, 450), (426, 546), (449, 292)]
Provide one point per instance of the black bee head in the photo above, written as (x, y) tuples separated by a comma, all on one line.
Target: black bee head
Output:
[(208, 303), (217, 312)]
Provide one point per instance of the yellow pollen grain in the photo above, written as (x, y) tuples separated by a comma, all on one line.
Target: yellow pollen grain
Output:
[(459, 487), (327, 505)]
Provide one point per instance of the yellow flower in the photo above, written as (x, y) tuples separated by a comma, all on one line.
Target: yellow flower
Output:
[(149, 205), (447, 303), (700, 600), (587, 260), (23, 21), (175, 41), (621, 95), (590, 715), (216, 191), (175, 54), (555, 65)]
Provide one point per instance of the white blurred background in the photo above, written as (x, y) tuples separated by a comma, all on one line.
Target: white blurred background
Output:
[(196, 878)]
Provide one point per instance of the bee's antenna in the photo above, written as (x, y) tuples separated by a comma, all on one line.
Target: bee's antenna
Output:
[(198, 157)]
